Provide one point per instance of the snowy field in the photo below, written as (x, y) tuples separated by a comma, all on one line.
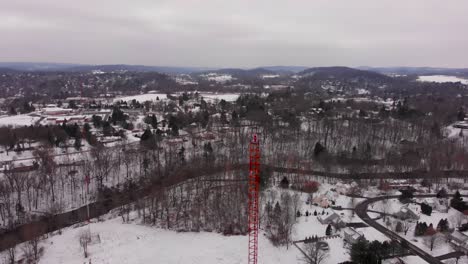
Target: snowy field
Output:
[(136, 244), (229, 97), (142, 97), (270, 76), (441, 79), (18, 120), (219, 78), (154, 96)]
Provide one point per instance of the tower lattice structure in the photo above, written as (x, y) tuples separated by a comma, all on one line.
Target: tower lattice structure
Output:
[(254, 184)]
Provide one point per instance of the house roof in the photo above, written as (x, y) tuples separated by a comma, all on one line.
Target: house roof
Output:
[(459, 236), (352, 233), (330, 217)]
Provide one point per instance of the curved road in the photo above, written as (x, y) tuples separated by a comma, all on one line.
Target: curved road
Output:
[(361, 211)]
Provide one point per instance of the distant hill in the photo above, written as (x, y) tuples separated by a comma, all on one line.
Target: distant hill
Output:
[(344, 73), (242, 73), (134, 68), (285, 69), (7, 70), (36, 66), (418, 70), (342, 80), (66, 67)]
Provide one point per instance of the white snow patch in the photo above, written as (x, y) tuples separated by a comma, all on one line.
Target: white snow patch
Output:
[(18, 120), (142, 97), (441, 79)]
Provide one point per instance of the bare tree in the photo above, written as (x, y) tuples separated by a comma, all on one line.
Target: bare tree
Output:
[(407, 226), (315, 255), (296, 199), (433, 240), (12, 255), (45, 159), (31, 250), (84, 238), (103, 164)]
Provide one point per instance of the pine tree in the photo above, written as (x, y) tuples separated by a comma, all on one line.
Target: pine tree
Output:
[(284, 183), (77, 143), (442, 193), (328, 232), (426, 209), (399, 227), (318, 149)]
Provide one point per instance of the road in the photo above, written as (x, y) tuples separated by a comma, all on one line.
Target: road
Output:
[(361, 211), (450, 255)]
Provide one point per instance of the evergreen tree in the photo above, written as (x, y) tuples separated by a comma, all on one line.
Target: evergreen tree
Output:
[(443, 225), (154, 122), (461, 114), (328, 232), (399, 227), (426, 209), (457, 202), (318, 149), (181, 154), (284, 183), (442, 193), (77, 143)]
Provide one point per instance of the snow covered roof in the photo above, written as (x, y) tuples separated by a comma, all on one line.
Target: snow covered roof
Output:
[(459, 236), (352, 233)]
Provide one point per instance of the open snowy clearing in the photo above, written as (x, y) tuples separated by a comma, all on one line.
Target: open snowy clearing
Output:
[(230, 97), (18, 120), (135, 244), (441, 79), (155, 96), (142, 97)]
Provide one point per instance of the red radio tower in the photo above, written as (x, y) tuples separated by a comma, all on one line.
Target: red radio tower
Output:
[(254, 177)]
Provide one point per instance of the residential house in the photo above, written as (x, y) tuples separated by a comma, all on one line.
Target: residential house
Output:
[(459, 240), (324, 200), (406, 213), (440, 205), (351, 235), (332, 218)]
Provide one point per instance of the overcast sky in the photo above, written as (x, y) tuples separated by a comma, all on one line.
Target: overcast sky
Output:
[(236, 33)]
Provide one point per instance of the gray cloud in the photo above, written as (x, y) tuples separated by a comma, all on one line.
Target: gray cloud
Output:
[(241, 33)]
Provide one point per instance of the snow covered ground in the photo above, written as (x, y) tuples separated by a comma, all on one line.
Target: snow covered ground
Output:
[(18, 120), (154, 96), (219, 78), (229, 97), (132, 243), (136, 244), (142, 97), (441, 79), (270, 76)]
